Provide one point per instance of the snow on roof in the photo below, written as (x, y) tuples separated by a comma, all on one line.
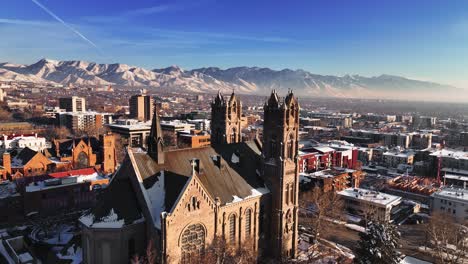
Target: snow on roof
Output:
[(452, 193), (234, 158), (324, 149), (75, 255), (109, 221), (412, 260), (450, 153), (405, 154), (255, 193), (157, 197), (374, 197), (139, 126)]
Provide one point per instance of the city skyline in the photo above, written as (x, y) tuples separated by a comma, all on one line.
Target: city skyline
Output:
[(420, 40)]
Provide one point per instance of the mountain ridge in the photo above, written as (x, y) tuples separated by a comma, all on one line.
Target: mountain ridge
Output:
[(248, 80)]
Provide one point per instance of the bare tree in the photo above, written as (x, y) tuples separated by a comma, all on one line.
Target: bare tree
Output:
[(449, 240), (324, 207), (150, 257), (57, 133), (222, 252)]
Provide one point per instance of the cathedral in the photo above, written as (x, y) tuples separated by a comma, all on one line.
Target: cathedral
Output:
[(179, 201)]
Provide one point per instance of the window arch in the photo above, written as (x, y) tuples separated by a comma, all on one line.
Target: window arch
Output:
[(233, 135), (82, 160), (272, 146), (290, 147), (192, 241), (232, 228), (248, 222)]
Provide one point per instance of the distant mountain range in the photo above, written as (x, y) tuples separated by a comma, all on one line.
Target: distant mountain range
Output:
[(246, 80)]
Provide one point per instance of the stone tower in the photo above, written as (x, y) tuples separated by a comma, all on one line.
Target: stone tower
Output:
[(155, 139), (226, 120), (109, 159), (280, 171)]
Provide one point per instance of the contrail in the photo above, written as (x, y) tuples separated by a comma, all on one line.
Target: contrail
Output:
[(65, 24)]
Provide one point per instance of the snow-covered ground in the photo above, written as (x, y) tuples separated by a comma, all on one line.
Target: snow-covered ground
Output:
[(75, 254)]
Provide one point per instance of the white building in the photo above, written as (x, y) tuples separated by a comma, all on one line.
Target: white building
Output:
[(362, 201), (2, 95), (18, 142), (452, 201)]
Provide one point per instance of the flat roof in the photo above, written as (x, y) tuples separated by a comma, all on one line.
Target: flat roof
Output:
[(450, 153), (456, 177), (452, 193), (370, 196)]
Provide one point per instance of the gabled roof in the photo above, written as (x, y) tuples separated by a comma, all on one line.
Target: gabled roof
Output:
[(66, 145), (225, 180), (23, 157), (118, 198)]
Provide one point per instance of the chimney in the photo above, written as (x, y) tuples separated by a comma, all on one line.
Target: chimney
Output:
[(217, 161), (196, 166), (7, 163)]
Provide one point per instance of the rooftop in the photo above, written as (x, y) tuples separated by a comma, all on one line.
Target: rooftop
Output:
[(370, 196), (450, 153), (452, 193)]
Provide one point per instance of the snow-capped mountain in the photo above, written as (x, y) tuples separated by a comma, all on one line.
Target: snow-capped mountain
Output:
[(248, 80)]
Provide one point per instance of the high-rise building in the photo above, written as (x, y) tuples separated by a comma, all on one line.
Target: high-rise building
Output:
[(83, 121), (73, 104), (141, 107)]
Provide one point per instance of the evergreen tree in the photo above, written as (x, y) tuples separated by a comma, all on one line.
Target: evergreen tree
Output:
[(378, 245)]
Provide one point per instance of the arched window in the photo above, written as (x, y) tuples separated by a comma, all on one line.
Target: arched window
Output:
[(232, 228), (248, 222), (273, 146), (290, 147), (193, 242), (291, 193), (233, 135), (82, 160), (287, 194)]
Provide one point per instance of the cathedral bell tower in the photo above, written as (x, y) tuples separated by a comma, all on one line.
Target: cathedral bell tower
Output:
[(226, 120), (280, 171), (155, 139)]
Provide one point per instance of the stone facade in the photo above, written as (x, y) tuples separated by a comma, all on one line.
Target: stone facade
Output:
[(226, 119), (243, 192)]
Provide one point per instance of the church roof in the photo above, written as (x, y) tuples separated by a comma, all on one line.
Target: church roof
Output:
[(24, 156), (66, 145), (234, 177), (117, 204)]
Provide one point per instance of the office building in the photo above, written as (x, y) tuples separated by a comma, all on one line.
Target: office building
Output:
[(73, 104)]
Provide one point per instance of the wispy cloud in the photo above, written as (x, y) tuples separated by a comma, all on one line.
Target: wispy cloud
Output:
[(24, 22), (151, 10), (65, 24), (144, 11)]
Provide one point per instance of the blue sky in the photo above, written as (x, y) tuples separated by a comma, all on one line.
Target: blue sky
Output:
[(426, 40)]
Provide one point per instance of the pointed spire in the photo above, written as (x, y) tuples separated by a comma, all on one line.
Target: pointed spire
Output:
[(274, 99), (289, 97), (219, 98), (155, 140)]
